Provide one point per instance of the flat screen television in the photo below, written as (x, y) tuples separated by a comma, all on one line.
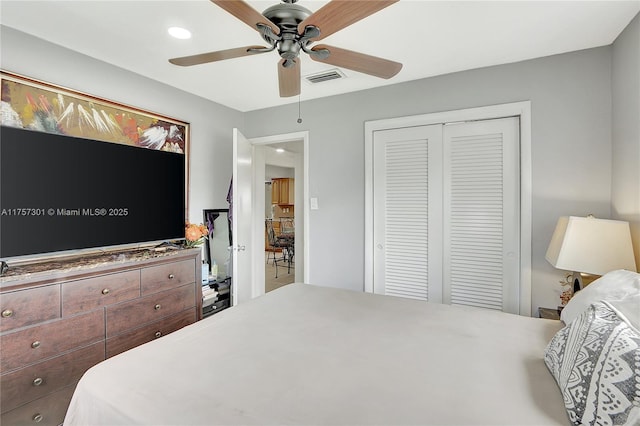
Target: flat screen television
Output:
[(61, 193)]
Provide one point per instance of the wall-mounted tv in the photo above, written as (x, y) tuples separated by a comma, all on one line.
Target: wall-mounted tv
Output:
[(60, 193)]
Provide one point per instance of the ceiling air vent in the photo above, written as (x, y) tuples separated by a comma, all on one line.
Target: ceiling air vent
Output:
[(324, 76)]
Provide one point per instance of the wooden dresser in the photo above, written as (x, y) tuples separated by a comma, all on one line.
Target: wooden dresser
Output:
[(61, 320)]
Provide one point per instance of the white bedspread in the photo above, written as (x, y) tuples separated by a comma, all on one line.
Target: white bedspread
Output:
[(305, 355)]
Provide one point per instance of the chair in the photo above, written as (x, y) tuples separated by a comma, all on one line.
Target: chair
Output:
[(287, 233), (275, 243), (270, 234), (287, 226)]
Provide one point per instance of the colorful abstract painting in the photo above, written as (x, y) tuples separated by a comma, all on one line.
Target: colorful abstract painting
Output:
[(35, 105)]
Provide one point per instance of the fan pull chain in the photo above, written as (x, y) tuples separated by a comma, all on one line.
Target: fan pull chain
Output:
[(299, 118)]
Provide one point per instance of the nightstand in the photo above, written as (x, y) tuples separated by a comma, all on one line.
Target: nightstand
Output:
[(549, 313)]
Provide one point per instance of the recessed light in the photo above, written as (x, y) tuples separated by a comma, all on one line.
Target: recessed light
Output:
[(180, 33), (279, 150)]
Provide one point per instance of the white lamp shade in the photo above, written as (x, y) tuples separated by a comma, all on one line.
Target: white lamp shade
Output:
[(590, 245)]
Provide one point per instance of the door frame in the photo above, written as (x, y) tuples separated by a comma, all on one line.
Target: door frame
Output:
[(522, 110), (301, 204)]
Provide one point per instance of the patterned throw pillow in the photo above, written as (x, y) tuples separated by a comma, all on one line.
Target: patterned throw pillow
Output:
[(596, 363)]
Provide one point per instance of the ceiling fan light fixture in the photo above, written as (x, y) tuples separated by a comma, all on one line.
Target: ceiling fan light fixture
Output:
[(179, 33), (287, 16), (289, 48), (291, 28)]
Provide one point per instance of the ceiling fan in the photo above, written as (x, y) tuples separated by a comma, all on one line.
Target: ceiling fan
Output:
[(291, 28)]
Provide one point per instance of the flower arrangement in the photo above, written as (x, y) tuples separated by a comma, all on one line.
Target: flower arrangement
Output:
[(194, 234), (565, 296)]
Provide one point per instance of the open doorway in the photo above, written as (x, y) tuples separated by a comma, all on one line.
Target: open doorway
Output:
[(279, 213), (280, 163)]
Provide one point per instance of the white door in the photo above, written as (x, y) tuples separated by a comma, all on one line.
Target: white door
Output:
[(241, 218), (407, 171), (446, 213), (482, 214)]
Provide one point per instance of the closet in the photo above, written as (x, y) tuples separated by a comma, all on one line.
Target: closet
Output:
[(446, 212)]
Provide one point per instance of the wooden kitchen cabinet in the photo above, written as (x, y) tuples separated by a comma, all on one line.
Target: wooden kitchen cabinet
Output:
[(283, 191), (275, 191)]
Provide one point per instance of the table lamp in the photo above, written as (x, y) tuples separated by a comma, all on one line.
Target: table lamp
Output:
[(590, 247)]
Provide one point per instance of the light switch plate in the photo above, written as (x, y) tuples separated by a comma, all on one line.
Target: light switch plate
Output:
[(314, 203)]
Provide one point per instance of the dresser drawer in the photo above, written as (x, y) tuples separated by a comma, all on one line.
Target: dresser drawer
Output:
[(91, 293), (167, 276), (25, 307), (215, 307), (48, 411), (124, 316), (38, 343), (41, 379), (147, 333)]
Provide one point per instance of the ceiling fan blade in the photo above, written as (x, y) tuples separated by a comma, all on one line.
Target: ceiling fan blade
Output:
[(219, 55), (360, 62), (339, 14), (289, 79), (246, 14)]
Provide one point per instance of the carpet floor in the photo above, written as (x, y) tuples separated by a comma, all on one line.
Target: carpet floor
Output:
[(284, 278)]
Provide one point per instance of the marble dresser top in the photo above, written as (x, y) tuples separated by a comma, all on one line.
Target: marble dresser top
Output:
[(63, 265)]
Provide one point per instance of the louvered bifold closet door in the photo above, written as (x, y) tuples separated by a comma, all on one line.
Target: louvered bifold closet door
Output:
[(481, 214), (407, 203)]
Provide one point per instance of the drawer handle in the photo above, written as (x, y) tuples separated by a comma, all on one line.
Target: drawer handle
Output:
[(158, 333), (37, 381), (35, 344), (7, 313), (37, 418), (105, 291), (157, 307), (171, 276)]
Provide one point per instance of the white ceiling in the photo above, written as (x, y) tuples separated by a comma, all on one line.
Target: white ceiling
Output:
[(428, 37)]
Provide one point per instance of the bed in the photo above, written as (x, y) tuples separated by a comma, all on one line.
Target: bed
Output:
[(304, 354)]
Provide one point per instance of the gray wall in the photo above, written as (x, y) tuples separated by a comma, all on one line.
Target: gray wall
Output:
[(211, 123), (271, 171), (570, 96), (625, 192)]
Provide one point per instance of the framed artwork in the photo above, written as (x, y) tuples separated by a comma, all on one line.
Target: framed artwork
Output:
[(35, 105)]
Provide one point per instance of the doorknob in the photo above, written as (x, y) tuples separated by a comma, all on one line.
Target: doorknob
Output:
[(379, 246)]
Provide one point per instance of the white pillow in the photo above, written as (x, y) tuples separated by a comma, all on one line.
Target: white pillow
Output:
[(595, 363), (612, 286), (628, 309)]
